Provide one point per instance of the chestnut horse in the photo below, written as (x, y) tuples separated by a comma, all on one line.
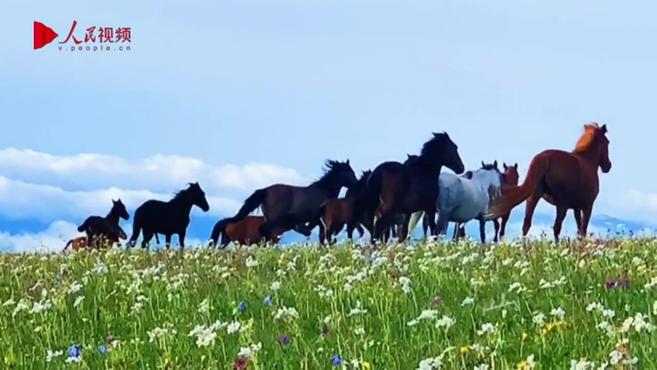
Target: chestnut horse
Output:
[(510, 178), (410, 187), (245, 232), (82, 242), (335, 213), (566, 180)]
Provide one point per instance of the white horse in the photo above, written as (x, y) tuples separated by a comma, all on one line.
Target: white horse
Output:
[(464, 198)]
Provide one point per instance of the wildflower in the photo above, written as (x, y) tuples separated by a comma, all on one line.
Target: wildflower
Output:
[(41, 306), (102, 349), (481, 367), (359, 331), (240, 363), (242, 306), (527, 364), (251, 262), (558, 312), (78, 301), (286, 313), (437, 300), (74, 353), (405, 284), (74, 288), (276, 285), (486, 329), (112, 341), (524, 336), (267, 301), (468, 301), (445, 322), (233, 327), (336, 360), (51, 355), (539, 319), (284, 340), (204, 307), (464, 350), (582, 364)]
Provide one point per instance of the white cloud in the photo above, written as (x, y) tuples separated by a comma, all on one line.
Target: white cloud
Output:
[(50, 240), (635, 205), (157, 173), (22, 200)]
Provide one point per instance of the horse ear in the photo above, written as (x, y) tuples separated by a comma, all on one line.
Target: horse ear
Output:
[(504, 165), (495, 164), (516, 165), (347, 161), (604, 128), (483, 164)]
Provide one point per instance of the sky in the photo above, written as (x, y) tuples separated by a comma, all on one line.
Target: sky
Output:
[(241, 94)]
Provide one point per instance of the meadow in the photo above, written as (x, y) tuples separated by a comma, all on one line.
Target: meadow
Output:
[(426, 305)]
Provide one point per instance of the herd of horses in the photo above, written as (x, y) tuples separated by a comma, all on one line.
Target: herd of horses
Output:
[(387, 201)]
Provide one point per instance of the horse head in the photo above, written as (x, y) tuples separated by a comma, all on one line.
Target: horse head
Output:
[(341, 173), (441, 150), (595, 145), (510, 174), (197, 196), (118, 208)]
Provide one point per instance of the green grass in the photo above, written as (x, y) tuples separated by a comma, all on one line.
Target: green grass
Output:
[(520, 290)]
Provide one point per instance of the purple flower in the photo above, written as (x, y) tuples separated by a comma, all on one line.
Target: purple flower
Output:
[(267, 300), (241, 363), (336, 360), (284, 340), (242, 306), (102, 349), (75, 351), (611, 284)]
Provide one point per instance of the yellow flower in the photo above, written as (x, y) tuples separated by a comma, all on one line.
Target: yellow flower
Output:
[(465, 350), (524, 336), (366, 365)]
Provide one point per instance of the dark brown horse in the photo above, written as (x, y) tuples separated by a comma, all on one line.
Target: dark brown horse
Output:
[(413, 186), (287, 206), (566, 180), (98, 242), (108, 226), (244, 232), (336, 213)]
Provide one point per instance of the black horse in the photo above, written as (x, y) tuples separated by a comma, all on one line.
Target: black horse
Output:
[(168, 218), (105, 228), (413, 186), (287, 206)]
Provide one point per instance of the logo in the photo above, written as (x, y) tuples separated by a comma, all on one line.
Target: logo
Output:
[(95, 38)]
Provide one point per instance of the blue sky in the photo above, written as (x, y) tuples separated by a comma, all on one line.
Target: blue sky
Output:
[(223, 88)]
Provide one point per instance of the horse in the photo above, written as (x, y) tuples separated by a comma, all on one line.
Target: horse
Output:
[(510, 178), (107, 226), (410, 187), (245, 232), (335, 213), (464, 198), (567, 180), (168, 218), (82, 242), (288, 206)]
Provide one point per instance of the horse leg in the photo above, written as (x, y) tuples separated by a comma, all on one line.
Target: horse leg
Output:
[(443, 223), (505, 219), (529, 211), (586, 217), (578, 218), (430, 217), (496, 224), (482, 230), (181, 239), (167, 240), (147, 238), (558, 221)]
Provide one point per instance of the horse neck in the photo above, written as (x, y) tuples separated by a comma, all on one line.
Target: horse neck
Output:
[(182, 203), (328, 185), (113, 217), (591, 155), (426, 168)]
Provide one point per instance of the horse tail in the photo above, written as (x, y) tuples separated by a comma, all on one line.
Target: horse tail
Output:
[(84, 226), (514, 196), (250, 204), (219, 229)]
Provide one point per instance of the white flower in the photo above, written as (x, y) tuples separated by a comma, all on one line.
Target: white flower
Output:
[(233, 327), (251, 262), (516, 287), (405, 284), (486, 329), (558, 312), (204, 307), (276, 285), (50, 355), (606, 327), (615, 357), (582, 364), (72, 360), (78, 301), (358, 310), (608, 313), (74, 288), (11, 301), (481, 367), (594, 307), (428, 315), (445, 322), (205, 337), (430, 363), (41, 306), (249, 351), (22, 305), (359, 331), (539, 319), (286, 313), (467, 301)]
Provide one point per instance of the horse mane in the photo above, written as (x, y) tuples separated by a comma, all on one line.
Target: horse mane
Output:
[(433, 145), (330, 166), (587, 140), (181, 194)]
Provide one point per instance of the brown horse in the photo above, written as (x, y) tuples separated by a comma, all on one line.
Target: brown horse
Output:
[(510, 181), (84, 242), (244, 232), (566, 180), (335, 213)]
